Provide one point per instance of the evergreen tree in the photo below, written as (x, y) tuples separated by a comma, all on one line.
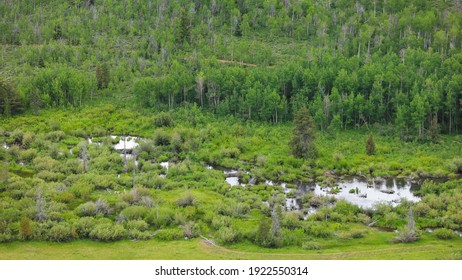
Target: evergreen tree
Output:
[(303, 137), (370, 145), (10, 102), (102, 75)]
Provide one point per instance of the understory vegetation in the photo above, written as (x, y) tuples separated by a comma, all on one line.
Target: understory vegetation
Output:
[(126, 120), (56, 186)]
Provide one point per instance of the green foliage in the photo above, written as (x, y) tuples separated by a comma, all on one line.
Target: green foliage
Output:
[(108, 232), (267, 235), (382, 73), (163, 120), (11, 102), (84, 226), (228, 235), (303, 137), (139, 225), (26, 228), (370, 145), (186, 200), (60, 232), (102, 75), (61, 86), (443, 233), (135, 212), (318, 230), (456, 165), (169, 234)]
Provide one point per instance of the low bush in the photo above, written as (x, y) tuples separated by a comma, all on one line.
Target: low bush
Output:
[(135, 212), (190, 229), (228, 235), (353, 234), (162, 138), (108, 232), (60, 232), (84, 226), (135, 234), (139, 225), (444, 233), (456, 165), (318, 230), (163, 120), (169, 234), (406, 235), (219, 222), (86, 209), (186, 200)]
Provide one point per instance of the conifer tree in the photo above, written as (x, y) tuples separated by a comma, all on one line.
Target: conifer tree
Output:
[(102, 75), (303, 137)]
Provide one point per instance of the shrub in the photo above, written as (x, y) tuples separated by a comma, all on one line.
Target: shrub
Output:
[(318, 230), (131, 197), (364, 219), (138, 235), (219, 222), (293, 237), (291, 220), (135, 212), (406, 235), (102, 207), (190, 230), (55, 136), (456, 165), (6, 237), (60, 232), (161, 138), (187, 200), (229, 153), (266, 237), (444, 233), (169, 234), (86, 209), (108, 232), (163, 120), (228, 235), (355, 234), (421, 209), (64, 197), (84, 226), (27, 139), (316, 201), (139, 225)]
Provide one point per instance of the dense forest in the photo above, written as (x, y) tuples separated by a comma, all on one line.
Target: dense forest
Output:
[(248, 121), (353, 63)]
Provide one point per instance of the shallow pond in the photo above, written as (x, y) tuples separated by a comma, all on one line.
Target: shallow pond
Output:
[(357, 191), (231, 177), (129, 144)]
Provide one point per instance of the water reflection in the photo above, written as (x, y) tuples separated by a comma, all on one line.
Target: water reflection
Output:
[(365, 195)]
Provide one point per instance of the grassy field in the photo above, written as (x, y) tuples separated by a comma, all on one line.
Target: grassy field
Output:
[(374, 246)]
